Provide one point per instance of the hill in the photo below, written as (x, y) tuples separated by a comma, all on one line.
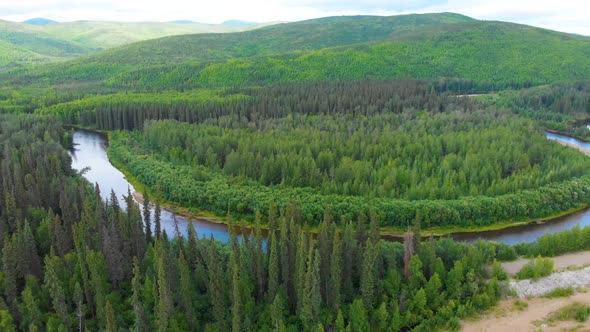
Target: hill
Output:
[(489, 55), (26, 44), (40, 21), (276, 39), (37, 42), (105, 35)]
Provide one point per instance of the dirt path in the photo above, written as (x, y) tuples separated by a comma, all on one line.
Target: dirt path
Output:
[(507, 318), (581, 258)]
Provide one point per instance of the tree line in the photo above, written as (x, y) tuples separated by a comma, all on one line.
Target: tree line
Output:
[(71, 261)]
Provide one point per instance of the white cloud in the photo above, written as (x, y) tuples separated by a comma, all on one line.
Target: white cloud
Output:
[(563, 15)]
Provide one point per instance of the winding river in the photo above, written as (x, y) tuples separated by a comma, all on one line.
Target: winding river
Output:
[(90, 152)]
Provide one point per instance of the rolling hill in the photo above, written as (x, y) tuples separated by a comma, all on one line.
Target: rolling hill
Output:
[(38, 41), (490, 55), (276, 39)]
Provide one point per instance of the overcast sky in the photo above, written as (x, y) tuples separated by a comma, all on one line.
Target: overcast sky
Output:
[(564, 15)]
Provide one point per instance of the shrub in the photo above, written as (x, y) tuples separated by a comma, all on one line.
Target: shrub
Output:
[(536, 268), (560, 292), (454, 324)]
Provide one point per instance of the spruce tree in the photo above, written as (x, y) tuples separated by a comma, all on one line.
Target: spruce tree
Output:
[(147, 216), (273, 266), (157, 217), (111, 318), (335, 283), (164, 308), (136, 301), (186, 292)]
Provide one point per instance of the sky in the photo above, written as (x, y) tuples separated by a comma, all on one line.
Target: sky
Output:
[(563, 15)]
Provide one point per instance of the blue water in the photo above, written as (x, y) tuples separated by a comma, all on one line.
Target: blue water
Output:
[(90, 152)]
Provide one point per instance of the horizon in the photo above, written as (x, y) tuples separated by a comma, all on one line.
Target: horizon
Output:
[(565, 16)]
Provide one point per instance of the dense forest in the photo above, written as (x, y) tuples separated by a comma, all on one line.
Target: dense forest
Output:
[(71, 261), (397, 147), (319, 137), (564, 107)]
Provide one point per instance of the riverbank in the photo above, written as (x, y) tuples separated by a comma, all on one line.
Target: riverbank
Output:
[(579, 148), (496, 231), (387, 233), (575, 259), (531, 310), (499, 226)]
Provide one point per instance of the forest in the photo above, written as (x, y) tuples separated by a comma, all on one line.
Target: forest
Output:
[(310, 141), (563, 107), (396, 147), (71, 261)]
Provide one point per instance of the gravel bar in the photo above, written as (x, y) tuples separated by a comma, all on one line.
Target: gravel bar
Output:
[(565, 279)]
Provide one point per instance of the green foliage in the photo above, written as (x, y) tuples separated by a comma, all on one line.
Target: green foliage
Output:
[(100, 271), (24, 44), (576, 311), (129, 110), (488, 56), (454, 324), (564, 107), (498, 272), (275, 39), (560, 292), (554, 244), (451, 167), (505, 48), (536, 268)]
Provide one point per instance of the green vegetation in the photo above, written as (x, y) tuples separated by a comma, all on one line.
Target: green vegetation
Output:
[(71, 260), (443, 165), (23, 44), (520, 305), (554, 244), (129, 110), (276, 39), (290, 127), (489, 55), (576, 311), (564, 107), (536, 268), (559, 292)]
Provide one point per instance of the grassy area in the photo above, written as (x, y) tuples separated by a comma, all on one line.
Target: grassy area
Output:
[(577, 311), (559, 292)]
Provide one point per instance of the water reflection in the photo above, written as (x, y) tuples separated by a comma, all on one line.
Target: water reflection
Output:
[(90, 152)]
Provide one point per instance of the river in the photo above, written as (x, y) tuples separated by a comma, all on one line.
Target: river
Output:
[(90, 151)]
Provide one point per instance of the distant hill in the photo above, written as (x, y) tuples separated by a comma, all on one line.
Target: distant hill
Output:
[(40, 21), (238, 23), (488, 55), (36, 43), (25, 44), (275, 39), (483, 55)]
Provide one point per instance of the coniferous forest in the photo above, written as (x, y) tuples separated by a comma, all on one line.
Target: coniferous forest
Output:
[(311, 141), (71, 261)]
